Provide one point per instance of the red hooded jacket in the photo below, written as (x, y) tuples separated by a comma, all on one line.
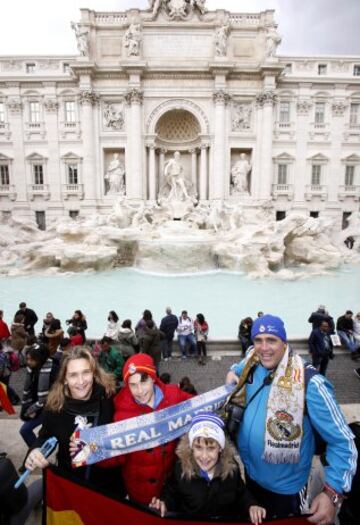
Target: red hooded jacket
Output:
[(144, 472)]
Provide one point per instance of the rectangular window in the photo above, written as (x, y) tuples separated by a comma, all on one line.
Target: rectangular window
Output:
[(349, 175), (314, 214), (322, 69), (354, 114), (74, 214), (280, 215), (319, 112), (34, 112), (288, 69), (40, 220), (357, 70), (284, 115), (4, 175), (2, 112), (6, 216), (30, 67), (282, 174), (66, 67), (38, 174), (70, 116), (345, 216), (316, 175), (73, 174)]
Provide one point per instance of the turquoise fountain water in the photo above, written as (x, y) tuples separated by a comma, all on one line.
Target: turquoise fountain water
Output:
[(224, 298)]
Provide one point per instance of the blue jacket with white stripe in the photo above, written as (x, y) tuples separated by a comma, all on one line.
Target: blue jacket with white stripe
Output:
[(322, 413)]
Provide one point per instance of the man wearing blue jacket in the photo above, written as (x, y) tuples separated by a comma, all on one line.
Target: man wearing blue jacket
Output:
[(287, 404)]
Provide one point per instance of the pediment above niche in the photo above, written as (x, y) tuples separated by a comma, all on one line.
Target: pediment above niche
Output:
[(70, 156), (35, 156), (284, 157), (351, 159), (319, 157), (5, 157)]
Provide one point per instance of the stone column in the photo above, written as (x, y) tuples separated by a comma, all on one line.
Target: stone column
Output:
[(161, 165), (135, 188), (152, 173), (216, 190), (266, 100), (194, 167), (18, 171), (54, 177), (203, 172), (301, 168), (88, 99)]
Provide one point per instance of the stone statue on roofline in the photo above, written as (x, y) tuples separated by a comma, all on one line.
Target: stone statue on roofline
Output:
[(177, 9), (82, 39), (132, 40), (273, 39)]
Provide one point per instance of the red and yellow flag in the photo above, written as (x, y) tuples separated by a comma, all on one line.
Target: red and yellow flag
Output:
[(5, 402), (70, 503)]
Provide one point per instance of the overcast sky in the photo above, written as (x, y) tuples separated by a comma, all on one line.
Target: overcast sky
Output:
[(308, 27)]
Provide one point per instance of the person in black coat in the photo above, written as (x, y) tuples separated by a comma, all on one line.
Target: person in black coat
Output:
[(316, 318), (321, 347), (206, 482), (30, 318), (168, 326), (78, 325), (80, 397)]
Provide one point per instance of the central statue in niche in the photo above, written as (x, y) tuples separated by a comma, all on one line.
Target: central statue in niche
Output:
[(173, 175), (176, 196)]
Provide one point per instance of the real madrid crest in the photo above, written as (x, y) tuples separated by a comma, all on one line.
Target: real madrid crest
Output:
[(282, 428), (132, 368)]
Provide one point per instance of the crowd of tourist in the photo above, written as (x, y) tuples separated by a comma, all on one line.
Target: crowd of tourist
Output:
[(286, 406)]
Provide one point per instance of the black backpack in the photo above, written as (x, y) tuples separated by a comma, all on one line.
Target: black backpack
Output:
[(11, 500)]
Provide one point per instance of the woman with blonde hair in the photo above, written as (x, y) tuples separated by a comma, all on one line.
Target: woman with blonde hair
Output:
[(80, 397)]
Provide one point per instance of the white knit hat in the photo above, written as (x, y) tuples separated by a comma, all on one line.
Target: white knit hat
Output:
[(207, 425)]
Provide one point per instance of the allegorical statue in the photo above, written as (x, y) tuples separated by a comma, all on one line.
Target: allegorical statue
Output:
[(273, 39), (177, 8), (239, 174), (132, 40), (221, 37), (173, 175), (115, 175), (82, 39)]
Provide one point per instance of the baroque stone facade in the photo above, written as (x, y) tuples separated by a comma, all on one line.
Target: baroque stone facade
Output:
[(251, 127)]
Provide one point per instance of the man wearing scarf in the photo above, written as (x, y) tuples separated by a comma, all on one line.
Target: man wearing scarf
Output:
[(276, 440)]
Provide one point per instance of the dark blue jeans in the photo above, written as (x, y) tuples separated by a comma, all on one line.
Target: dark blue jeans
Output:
[(27, 428)]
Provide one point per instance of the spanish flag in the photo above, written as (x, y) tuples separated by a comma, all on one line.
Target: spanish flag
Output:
[(68, 502)]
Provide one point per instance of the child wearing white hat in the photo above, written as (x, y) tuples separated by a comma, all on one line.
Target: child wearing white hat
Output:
[(206, 481)]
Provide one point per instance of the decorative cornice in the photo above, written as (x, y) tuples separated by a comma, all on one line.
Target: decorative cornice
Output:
[(14, 105), (134, 96), (303, 107), (221, 96), (88, 97), (51, 105), (266, 98)]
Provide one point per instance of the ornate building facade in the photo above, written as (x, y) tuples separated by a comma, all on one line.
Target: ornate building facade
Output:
[(78, 132)]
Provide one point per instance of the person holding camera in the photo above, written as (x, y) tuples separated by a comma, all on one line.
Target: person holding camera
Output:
[(287, 403)]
